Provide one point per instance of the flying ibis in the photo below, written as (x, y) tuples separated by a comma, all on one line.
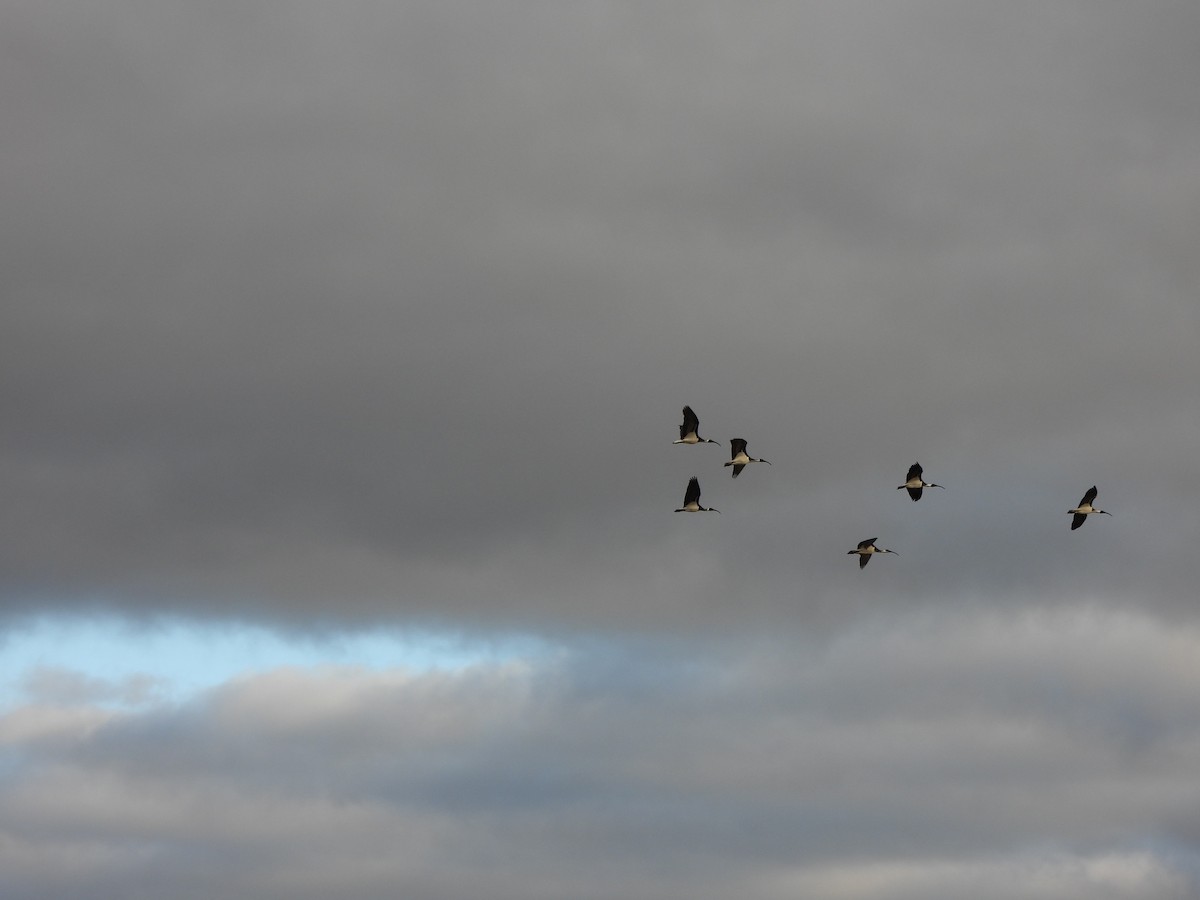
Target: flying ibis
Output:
[(739, 458), (866, 549), (688, 431), (915, 484), (691, 498), (1085, 509)]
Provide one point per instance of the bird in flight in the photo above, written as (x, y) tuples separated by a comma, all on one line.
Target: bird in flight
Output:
[(1085, 509), (691, 498), (688, 431), (738, 457), (915, 484), (866, 549)]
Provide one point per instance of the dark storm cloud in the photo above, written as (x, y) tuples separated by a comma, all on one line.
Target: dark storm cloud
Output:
[(390, 312), (913, 759)]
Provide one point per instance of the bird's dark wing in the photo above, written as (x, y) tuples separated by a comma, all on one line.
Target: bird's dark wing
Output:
[(863, 545), (692, 494), (1079, 519), (915, 493), (690, 423), (863, 559), (914, 471), (737, 469), (1089, 496), (736, 446)]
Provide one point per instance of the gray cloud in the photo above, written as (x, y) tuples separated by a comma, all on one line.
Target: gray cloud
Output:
[(396, 304)]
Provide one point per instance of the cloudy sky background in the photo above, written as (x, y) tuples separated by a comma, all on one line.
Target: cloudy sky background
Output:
[(342, 350)]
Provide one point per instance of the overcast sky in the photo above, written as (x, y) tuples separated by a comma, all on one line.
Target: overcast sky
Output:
[(364, 328)]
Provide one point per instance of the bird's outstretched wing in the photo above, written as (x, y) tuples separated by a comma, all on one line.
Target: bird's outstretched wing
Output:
[(690, 423)]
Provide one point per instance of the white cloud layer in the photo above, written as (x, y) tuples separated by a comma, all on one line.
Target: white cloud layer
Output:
[(1045, 756)]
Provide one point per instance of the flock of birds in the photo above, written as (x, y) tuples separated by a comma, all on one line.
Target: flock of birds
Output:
[(915, 484)]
